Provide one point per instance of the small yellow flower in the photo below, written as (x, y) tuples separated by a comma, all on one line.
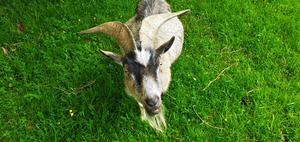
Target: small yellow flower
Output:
[(71, 112)]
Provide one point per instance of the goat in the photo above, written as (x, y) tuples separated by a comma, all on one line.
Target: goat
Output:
[(150, 42)]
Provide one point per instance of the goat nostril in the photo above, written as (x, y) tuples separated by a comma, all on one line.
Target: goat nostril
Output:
[(151, 102)]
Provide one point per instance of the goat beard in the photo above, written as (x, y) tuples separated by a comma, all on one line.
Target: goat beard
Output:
[(156, 121)]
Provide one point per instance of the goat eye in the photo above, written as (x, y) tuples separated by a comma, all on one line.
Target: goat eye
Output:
[(126, 69), (158, 62)]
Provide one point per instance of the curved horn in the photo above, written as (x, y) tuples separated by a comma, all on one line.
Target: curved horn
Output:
[(151, 25), (117, 30)]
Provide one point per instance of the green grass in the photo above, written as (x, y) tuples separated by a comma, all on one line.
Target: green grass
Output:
[(50, 70)]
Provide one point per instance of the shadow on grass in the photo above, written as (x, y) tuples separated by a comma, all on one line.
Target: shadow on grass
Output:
[(104, 104)]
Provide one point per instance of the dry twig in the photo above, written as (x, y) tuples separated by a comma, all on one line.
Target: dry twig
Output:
[(218, 76), (230, 52), (283, 136), (82, 87), (207, 124), (76, 90), (5, 51)]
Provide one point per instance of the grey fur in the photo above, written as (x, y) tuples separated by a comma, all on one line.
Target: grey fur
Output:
[(144, 9), (150, 7)]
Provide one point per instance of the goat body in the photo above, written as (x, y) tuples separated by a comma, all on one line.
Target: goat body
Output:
[(151, 41)]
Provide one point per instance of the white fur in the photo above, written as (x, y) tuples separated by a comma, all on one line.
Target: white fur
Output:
[(132, 76), (151, 87), (157, 121), (143, 56), (158, 29), (164, 77)]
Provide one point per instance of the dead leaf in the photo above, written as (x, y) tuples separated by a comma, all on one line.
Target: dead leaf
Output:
[(87, 40), (5, 50), (20, 28)]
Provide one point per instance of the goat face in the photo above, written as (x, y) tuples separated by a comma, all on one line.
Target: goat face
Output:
[(141, 72)]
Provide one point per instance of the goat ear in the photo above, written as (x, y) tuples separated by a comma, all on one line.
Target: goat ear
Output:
[(115, 57), (166, 46)]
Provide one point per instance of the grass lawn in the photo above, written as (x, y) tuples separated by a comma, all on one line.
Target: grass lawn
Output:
[(238, 78)]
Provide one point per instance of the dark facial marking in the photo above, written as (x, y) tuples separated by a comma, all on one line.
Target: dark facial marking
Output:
[(138, 70), (133, 67), (138, 45), (153, 64)]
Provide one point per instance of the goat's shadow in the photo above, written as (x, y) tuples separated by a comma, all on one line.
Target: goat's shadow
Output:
[(107, 97)]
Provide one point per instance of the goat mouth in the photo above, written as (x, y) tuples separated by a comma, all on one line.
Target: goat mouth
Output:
[(153, 111)]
